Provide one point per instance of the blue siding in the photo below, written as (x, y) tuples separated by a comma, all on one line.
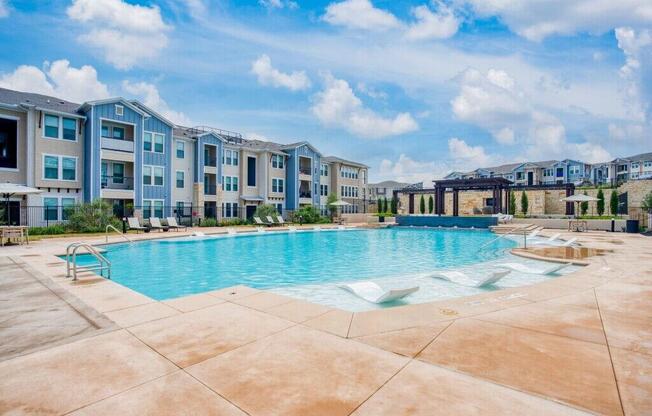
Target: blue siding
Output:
[(210, 139), (155, 125), (292, 180)]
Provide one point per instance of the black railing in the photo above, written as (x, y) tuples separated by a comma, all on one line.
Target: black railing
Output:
[(305, 195), (117, 182), (305, 171)]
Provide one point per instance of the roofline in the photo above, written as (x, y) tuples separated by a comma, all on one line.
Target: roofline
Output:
[(299, 144), (12, 107), (61, 113), (113, 100), (154, 113), (344, 161)]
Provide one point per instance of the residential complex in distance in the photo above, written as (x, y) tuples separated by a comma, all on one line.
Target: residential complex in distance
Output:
[(125, 153), (552, 172)]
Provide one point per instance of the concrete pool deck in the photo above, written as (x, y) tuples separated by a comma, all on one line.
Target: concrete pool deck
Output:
[(577, 344)]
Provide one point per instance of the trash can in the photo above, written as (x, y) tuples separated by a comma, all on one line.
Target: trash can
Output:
[(632, 226)]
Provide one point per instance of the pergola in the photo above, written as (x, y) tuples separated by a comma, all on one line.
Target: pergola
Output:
[(500, 188)]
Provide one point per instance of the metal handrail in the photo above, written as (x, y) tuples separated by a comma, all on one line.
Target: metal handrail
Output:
[(503, 235), (103, 262), (106, 233)]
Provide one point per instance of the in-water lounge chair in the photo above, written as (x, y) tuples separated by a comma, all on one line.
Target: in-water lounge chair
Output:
[(464, 279), (155, 223), (172, 223), (568, 243), (535, 232), (549, 240), (522, 268), (134, 224), (373, 293)]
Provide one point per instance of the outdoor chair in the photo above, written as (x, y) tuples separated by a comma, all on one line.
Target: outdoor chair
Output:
[(155, 224), (172, 223), (134, 224)]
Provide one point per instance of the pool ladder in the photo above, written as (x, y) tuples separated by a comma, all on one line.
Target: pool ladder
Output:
[(71, 261)]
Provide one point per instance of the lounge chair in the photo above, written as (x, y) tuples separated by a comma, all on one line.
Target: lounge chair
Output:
[(134, 224), (535, 232), (517, 267), (258, 221), (373, 293), (280, 220), (172, 223), (552, 239), (461, 278), (155, 224), (568, 243), (270, 220)]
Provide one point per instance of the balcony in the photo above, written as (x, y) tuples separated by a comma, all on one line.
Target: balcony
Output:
[(210, 161), (117, 187), (210, 190), (116, 144)]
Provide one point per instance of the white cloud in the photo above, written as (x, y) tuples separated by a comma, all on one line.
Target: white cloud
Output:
[(360, 14), (406, 169), (637, 47), (465, 155), (58, 79), (149, 95), (536, 20), (268, 75), (626, 132), (338, 106), (279, 4), (439, 24), (505, 136), (196, 8), (371, 91), (4, 9), (126, 34), (256, 136)]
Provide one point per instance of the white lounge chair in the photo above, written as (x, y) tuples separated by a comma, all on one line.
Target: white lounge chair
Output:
[(280, 220), (172, 223), (568, 243), (134, 224), (517, 267), (535, 232), (373, 293), (552, 239), (155, 224), (464, 279), (258, 221), (270, 220)]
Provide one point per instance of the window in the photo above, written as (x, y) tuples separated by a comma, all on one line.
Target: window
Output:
[(235, 157), (323, 190), (158, 175), (278, 161), (8, 143), (152, 208), (230, 157), (105, 131), (119, 133), (230, 210), (69, 129), (230, 183), (153, 175), (147, 175), (159, 139), (119, 110), (647, 165), (50, 209), (118, 173), (279, 208), (147, 142), (635, 165), (59, 168), (560, 172), (180, 179), (68, 169), (324, 170), (67, 205), (152, 142), (181, 149), (277, 185), (574, 170), (51, 126), (251, 171)]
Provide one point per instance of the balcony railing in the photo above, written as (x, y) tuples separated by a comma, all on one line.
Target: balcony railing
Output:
[(210, 190), (126, 145), (118, 182), (305, 195), (304, 171)]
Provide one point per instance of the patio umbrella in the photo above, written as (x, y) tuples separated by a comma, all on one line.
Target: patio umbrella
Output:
[(10, 189), (579, 198), (339, 203)]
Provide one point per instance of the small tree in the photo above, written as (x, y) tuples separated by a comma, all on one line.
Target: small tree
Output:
[(431, 204), (584, 206), (646, 204), (613, 202), (385, 207), (512, 203), (394, 206), (422, 205), (379, 207), (524, 203), (92, 217), (265, 210), (600, 204)]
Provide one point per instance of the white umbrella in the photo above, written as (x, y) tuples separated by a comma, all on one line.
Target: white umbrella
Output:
[(340, 203), (579, 198), (11, 189)]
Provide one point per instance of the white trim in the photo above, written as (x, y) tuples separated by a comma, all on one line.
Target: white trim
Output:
[(152, 175), (176, 179), (59, 168), (153, 133), (175, 141), (120, 107), (152, 207), (59, 129)]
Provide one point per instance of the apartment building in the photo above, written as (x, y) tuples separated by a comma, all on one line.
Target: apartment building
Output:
[(347, 180), (125, 153)]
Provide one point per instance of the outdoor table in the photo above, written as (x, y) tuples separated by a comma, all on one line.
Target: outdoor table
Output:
[(14, 231), (577, 225)]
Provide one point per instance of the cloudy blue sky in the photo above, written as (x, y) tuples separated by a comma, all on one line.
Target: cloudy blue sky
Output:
[(412, 88)]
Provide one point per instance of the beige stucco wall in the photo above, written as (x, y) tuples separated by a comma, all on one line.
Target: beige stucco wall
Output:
[(19, 176), (186, 165), (43, 146)]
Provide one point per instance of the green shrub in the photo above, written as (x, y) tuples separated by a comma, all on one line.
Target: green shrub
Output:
[(264, 210), (512, 203), (613, 202), (600, 204), (232, 222), (422, 205), (584, 206), (394, 206), (524, 203), (309, 215), (208, 222), (49, 230), (92, 217), (431, 203), (646, 204)]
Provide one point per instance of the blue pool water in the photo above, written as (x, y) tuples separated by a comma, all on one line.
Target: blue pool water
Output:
[(276, 260)]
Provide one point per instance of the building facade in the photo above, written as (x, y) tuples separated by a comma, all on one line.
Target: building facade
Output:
[(125, 153)]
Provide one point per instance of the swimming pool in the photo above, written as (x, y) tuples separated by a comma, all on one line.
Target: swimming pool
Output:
[(304, 264)]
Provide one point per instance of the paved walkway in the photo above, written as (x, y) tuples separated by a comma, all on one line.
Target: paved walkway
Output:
[(576, 344)]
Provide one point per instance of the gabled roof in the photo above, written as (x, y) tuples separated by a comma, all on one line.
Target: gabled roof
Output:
[(261, 145), (299, 144), (112, 101), (153, 113), (332, 159), (45, 102), (640, 157)]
